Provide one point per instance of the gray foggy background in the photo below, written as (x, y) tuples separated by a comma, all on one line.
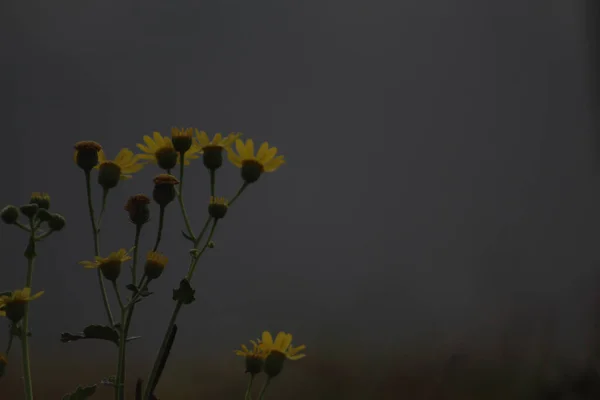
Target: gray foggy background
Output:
[(441, 185)]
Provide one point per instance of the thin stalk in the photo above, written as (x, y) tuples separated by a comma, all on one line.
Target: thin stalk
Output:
[(103, 208), (44, 235), (248, 395), (163, 348), (186, 219), (239, 192), (161, 221), (30, 254), (88, 185), (20, 225), (212, 182), (119, 384), (126, 315), (261, 394)]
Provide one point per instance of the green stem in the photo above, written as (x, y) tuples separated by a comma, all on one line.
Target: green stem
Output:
[(20, 225), (155, 369), (248, 395), (212, 182), (30, 254), (88, 185), (126, 316), (103, 209), (261, 395), (44, 235), (239, 192), (186, 219), (120, 384), (10, 342), (161, 220)]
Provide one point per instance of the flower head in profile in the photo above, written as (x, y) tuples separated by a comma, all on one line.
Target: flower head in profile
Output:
[(278, 351), (255, 358), (121, 168), (13, 306), (86, 154), (155, 264), (109, 266), (254, 165), (160, 150), (182, 139), (213, 149)]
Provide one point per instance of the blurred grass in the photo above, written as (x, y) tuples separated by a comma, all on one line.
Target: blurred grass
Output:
[(331, 378)]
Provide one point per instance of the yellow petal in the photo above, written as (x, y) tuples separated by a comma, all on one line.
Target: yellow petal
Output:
[(234, 158), (158, 139), (152, 146), (25, 292), (35, 296), (101, 156), (262, 151), (297, 357), (217, 139), (202, 138), (274, 164), (279, 340), (245, 348), (144, 148), (249, 148), (268, 156), (241, 149), (267, 339), (285, 344)]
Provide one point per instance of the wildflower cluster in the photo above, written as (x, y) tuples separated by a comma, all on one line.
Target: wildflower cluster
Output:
[(121, 271)]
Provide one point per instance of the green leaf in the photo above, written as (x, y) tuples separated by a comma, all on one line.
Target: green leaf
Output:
[(188, 237), (185, 293), (81, 393), (16, 330), (92, 332)]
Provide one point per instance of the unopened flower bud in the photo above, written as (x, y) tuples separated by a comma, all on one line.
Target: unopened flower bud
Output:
[(86, 154), (41, 199), (43, 215), (9, 214), (211, 245), (217, 207), (137, 207), (164, 189), (109, 175), (251, 171), (57, 222), (29, 210)]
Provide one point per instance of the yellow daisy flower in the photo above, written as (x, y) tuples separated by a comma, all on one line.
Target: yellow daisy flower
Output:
[(213, 149), (160, 150), (182, 139), (155, 264), (254, 358), (254, 165), (13, 306), (218, 141), (282, 344), (121, 168), (109, 266)]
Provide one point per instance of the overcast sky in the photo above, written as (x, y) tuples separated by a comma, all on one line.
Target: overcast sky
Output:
[(441, 177)]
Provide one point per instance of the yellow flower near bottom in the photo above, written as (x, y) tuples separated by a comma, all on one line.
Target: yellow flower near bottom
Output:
[(282, 344), (109, 266), (13, 306), (255, 358)]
